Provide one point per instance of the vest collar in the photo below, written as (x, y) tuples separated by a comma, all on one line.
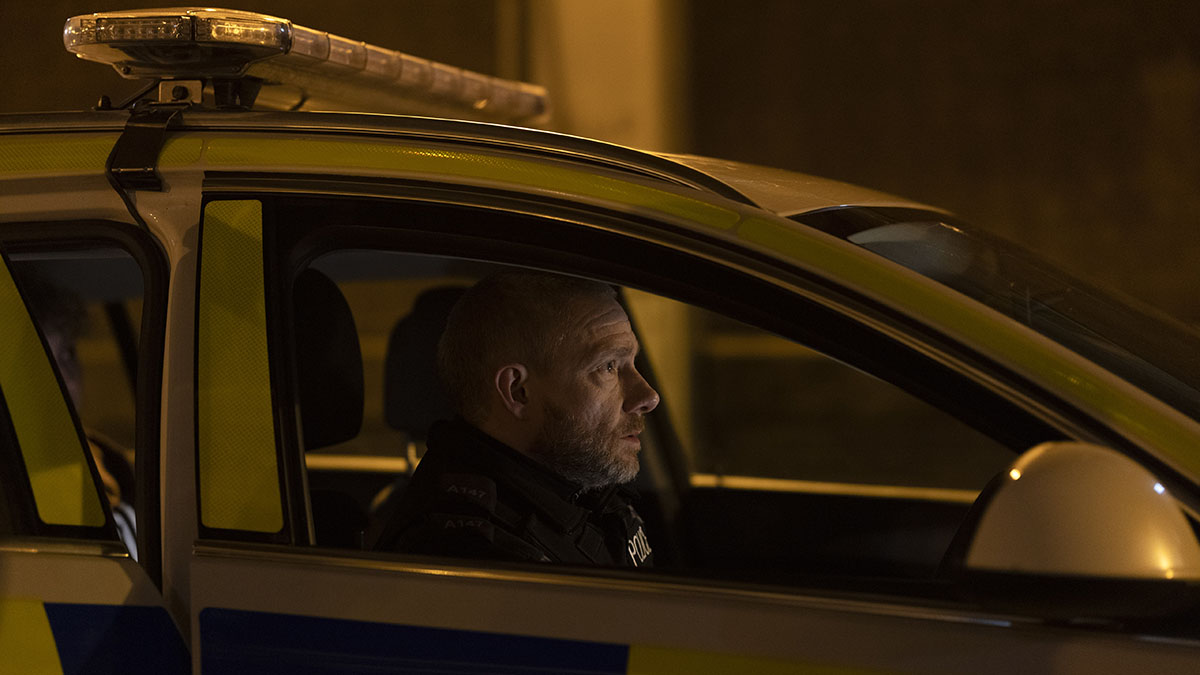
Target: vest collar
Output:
[(554, 497)]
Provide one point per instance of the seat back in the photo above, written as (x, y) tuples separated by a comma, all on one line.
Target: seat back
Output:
[(413, 395), (330, 382), (328, 361)]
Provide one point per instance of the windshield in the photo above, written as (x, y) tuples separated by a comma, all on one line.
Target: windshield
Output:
[(1145, 347)]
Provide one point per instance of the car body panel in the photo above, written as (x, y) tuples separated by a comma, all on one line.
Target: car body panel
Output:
[(745, 626), (46, 176), (235, 432), (359, 157), (100, 613), (54, 153), (787, 193)]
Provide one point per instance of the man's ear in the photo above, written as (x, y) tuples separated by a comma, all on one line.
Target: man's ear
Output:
[(511, 383)]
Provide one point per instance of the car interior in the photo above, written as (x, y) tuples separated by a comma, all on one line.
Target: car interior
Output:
[(366, 329)]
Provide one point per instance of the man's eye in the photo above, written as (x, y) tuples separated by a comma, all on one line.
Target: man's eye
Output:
[(610, 367)]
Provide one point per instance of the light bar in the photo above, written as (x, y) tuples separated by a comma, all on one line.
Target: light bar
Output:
[(315, 70), (182, 43)]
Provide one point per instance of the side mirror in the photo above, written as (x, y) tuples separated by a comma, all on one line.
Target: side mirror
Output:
[(1075, 530)]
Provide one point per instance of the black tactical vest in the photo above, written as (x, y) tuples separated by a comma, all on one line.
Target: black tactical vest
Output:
[(472, 496)]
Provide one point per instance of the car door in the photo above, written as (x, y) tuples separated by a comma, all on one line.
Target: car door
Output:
[(80, 590), (266, 588)]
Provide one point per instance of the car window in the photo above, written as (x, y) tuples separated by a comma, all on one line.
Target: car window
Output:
[(96, 295), (88, 304), (784, 449), (51, 459), (1137, 342), (762, 422)]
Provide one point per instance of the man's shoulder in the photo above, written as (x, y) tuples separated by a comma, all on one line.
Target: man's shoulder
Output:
[(452, 505), (461, 515)]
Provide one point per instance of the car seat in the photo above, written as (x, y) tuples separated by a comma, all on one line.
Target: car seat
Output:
[(412, 392), (413, 395), (330, 383)]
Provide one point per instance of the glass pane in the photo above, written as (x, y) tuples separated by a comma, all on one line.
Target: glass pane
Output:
[(87, 302), (1150, 349), (749, 403)]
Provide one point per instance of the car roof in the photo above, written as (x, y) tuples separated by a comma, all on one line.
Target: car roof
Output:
[(788, 193), (779, 191)]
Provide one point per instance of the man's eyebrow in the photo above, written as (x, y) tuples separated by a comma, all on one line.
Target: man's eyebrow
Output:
[(623, 349), (611, 348)]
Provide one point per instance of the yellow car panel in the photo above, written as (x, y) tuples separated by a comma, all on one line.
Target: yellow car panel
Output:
[(239, 480)]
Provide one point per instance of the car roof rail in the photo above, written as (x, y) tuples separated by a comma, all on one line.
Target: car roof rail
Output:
[(231, 59)]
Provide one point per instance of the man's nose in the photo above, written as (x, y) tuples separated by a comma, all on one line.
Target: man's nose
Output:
[(640, 397)]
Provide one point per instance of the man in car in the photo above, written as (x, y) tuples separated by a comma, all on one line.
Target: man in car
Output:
[(540, 369)]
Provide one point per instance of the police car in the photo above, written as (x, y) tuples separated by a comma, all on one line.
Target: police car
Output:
[(888, 441)]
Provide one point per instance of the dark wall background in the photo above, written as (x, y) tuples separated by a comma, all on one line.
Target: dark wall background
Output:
[(1071, 126)]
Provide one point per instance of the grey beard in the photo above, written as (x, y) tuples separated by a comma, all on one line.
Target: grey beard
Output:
[(583, 456)]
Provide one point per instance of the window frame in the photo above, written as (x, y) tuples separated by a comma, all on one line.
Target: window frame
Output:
[(294, 245), (151, 259)]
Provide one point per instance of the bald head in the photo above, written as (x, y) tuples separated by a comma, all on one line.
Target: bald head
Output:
[(510, 317)]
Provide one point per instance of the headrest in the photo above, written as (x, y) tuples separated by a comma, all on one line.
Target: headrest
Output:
[(328, 362), (412, 393)]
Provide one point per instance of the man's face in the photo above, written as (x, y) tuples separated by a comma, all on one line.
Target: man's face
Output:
[(592, 399)]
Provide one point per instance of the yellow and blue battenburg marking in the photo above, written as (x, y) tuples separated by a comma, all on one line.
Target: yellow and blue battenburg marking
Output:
[(237, 641), (68, 638)]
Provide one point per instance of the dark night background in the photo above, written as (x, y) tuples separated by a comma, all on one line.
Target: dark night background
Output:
[(1072, 127)]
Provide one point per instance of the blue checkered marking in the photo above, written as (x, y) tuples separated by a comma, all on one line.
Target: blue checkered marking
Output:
[(116, 639), (236, 641)]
